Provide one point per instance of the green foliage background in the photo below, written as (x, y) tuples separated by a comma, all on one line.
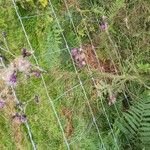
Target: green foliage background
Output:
[(126, 43)]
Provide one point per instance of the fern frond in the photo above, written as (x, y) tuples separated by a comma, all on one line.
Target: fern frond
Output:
[(137, 121), (97, 10), (116, 6)]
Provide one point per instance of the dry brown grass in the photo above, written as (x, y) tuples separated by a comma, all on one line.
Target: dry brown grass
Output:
[(95, 63), (69, 124)]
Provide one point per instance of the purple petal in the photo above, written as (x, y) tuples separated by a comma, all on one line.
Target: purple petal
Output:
[(74, 52), (103, 26), (13, 79)]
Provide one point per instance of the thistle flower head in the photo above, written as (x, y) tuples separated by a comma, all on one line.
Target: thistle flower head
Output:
[(74, 52), (79, 57), (13, 78), (104, 26), (9, 76), (21, 64)]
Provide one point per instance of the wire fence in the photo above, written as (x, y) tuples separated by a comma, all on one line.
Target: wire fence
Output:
[(80, 85)]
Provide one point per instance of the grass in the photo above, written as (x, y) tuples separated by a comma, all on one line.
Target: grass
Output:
[(125, 43)]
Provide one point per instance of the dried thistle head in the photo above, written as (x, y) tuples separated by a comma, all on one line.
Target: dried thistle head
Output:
[(9, 76), (21, 64)]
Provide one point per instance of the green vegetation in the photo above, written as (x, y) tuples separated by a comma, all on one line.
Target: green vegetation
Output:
[(98, 109)]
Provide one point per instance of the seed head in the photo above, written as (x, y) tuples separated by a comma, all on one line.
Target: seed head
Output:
[(21, 64)]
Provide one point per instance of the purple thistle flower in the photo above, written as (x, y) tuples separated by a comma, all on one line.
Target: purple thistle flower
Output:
[(2, 103), (9, 76), (74, 52), (78, 56), (104, 26), (13, 79)]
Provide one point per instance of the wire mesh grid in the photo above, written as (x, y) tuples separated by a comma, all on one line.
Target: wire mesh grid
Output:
[(67, 98)]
